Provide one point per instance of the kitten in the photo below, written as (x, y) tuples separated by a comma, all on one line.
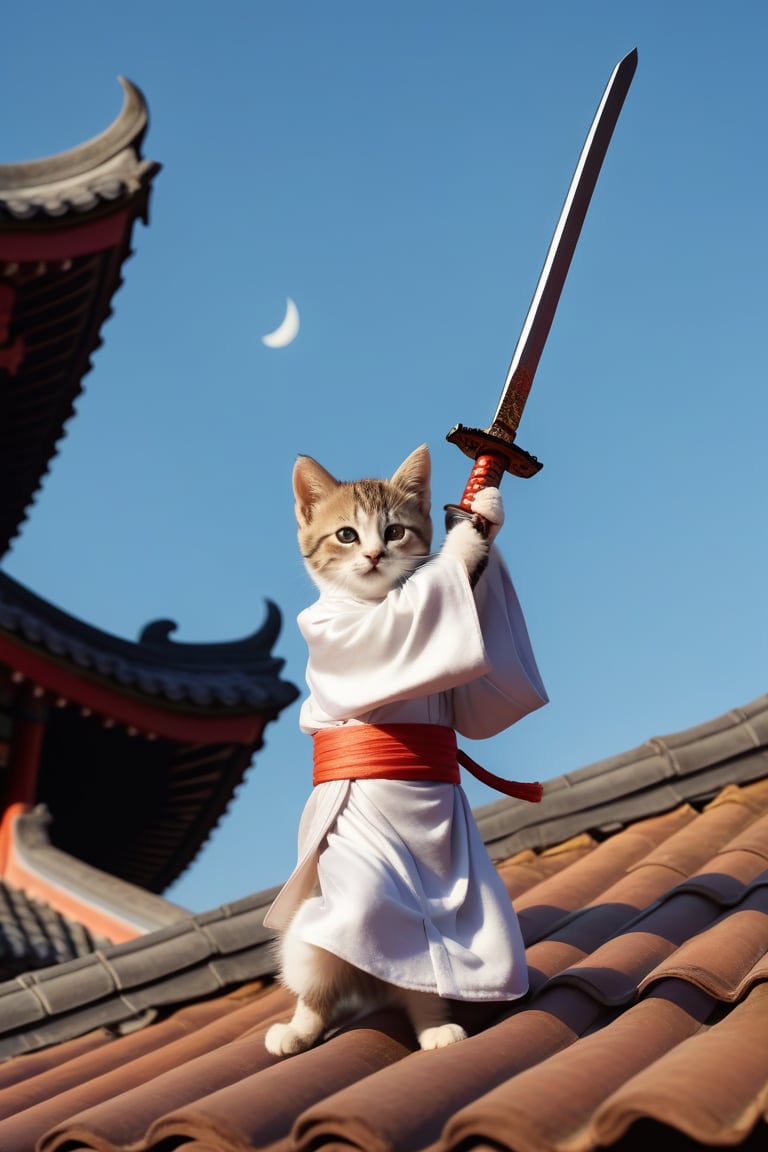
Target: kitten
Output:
[(363, 539)]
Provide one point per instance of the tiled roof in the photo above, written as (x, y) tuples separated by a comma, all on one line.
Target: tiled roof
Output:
[(641, 884), (55, 907), (121, 986), (238, 675), (665, 771), (179, 724), (35, 935)]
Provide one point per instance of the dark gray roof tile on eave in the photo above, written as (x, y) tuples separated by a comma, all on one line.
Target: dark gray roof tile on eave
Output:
[(33, 935), (239, 675), (118, 984), (692, 765), (106, 902)]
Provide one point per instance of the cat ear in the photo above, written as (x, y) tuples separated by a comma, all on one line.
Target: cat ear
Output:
[(310, 483), (414, 475)]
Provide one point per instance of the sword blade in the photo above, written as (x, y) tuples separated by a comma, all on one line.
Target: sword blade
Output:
[(530, 345)]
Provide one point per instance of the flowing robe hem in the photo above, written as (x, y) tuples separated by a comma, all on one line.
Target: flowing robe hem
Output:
[(465, 946), (464, 995), (320, 812)]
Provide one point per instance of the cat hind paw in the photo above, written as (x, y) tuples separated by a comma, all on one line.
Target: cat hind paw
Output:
[(285, 1040), (441, 1036)]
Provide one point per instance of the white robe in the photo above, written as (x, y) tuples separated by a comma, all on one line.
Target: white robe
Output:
[(393, 875)]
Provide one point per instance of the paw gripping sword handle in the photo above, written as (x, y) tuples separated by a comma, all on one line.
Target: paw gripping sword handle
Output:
[(487, 472)]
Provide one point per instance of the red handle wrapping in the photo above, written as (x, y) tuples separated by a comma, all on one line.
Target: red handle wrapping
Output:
[(487, 471), (490, 464)]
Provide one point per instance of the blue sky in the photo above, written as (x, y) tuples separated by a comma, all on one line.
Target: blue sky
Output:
[(398, 169)]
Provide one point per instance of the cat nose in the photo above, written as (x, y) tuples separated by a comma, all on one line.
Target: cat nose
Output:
[(374, 556)]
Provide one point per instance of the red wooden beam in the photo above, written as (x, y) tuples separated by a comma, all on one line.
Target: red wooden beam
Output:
[(65, 243)]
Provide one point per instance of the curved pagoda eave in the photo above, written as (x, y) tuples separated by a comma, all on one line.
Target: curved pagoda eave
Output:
[(136, 748), (71, 180), (65, 233), (204, 692)]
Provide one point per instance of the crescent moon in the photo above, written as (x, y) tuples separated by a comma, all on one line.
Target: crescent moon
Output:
[(287, 331)]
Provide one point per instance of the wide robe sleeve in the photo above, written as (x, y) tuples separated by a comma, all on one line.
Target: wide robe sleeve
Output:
[(513, 686), (423, 638)]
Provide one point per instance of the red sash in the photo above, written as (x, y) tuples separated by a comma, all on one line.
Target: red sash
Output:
[(402, 752)]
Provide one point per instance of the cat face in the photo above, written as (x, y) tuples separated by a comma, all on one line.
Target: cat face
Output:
[(363, 537)]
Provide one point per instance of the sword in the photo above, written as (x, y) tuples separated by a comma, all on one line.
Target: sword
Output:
[(493, 449)]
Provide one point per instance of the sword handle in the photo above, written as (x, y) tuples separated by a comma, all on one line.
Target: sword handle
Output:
[(493, 456), (487, 472)]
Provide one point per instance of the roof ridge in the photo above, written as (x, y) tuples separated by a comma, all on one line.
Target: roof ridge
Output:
[(664, 771)]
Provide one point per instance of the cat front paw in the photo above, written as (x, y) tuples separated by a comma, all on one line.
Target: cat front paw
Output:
[(489, 504), (285, 1040), (441, 1036)]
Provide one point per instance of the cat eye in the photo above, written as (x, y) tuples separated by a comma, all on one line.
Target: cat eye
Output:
[(346, 535), (394, 532)]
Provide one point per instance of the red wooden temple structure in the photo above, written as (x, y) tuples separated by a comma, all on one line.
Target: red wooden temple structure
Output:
[(117, 759)]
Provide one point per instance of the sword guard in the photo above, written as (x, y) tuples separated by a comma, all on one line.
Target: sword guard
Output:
[(475, 442), (493, 457)]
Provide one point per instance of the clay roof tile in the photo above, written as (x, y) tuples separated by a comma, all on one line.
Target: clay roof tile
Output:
[(646, 1020)]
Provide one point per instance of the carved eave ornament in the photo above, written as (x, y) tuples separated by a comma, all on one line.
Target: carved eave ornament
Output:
[(96, 173)]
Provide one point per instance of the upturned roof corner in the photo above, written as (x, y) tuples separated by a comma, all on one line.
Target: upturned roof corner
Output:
[(107, 168), (65, 232)]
